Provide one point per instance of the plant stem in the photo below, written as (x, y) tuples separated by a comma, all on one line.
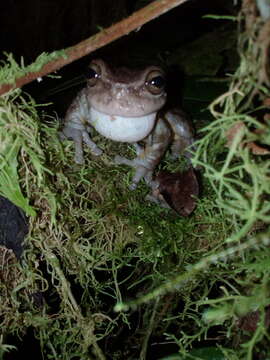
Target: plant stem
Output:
[(149, 331)]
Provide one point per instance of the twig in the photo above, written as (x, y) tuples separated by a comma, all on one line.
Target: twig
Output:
[(95, 42), (149, 330)]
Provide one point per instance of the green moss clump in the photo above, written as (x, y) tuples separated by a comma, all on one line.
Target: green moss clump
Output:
[(11, 70)]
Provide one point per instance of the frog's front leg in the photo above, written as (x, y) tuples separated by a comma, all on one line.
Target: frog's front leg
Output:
[(79, 136), (149, 155), (77, 127), (76, 136)]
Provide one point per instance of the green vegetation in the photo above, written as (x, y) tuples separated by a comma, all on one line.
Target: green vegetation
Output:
[(117, 276), (11, 70)]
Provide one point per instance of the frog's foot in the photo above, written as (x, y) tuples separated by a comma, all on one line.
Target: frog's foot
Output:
[(139, 149), (62, 136), (75, 135), (157, 200), (96, 151), (120, 160), (141, 171), (93, 146), (156, 197), (78, 158)]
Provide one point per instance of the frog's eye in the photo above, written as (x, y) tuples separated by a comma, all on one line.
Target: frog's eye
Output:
[(155, 82), (93, 74)]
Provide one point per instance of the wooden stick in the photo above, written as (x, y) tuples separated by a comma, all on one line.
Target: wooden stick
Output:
[(104, 37)]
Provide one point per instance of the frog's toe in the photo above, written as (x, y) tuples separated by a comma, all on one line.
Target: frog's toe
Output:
[(119, 160), (61, 136), (79, 160), (97, 151), (132, 186), (174, 155), (153, 184)]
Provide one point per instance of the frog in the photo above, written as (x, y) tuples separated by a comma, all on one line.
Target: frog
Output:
[(128, 105)]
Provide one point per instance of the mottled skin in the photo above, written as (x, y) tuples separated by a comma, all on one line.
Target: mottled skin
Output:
[(128, 106)]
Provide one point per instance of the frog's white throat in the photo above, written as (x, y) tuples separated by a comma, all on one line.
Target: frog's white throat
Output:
[(124, 129)]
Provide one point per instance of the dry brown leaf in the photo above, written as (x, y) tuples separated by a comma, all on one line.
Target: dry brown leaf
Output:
[(266, 102), (233, 131), (255, 148), (178, 190)]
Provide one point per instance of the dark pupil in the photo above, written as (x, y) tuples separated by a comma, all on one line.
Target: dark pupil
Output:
[(158, 82), (91, 74)]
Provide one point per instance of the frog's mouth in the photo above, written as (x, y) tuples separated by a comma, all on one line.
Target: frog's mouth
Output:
[(120, 128)]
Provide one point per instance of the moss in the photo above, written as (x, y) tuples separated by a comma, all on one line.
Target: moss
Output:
[(11, 70)]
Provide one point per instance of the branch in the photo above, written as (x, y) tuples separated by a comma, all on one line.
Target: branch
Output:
[(104, 37)]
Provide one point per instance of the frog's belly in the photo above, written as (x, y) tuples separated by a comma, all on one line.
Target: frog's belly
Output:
[(120, 128)]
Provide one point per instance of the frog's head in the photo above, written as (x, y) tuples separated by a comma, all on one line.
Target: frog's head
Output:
[(125, 92)]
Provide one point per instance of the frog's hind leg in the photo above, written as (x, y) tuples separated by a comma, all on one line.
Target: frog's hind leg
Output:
[(181, 146), (148, 155), (183, 136), (141, 171)]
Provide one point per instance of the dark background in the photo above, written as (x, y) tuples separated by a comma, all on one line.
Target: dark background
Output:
[(30, 27)]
